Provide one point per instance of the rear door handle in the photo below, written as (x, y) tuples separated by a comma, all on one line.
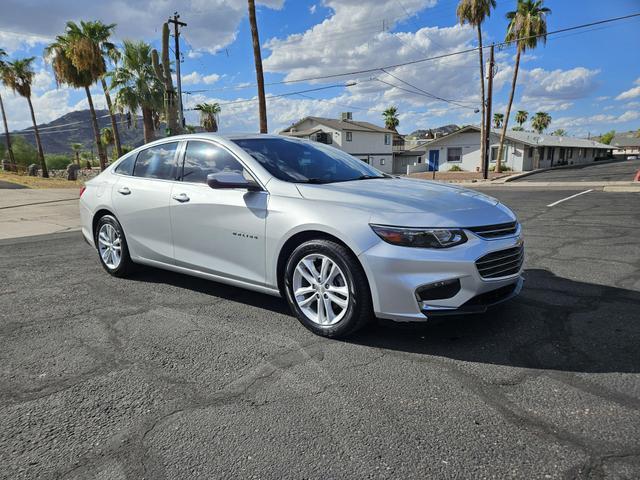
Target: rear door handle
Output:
[(124, 190), (182, 198)]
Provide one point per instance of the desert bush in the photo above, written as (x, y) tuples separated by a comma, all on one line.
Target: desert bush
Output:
[(455, 168)]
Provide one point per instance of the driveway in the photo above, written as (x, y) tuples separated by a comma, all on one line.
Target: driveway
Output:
[(165, 376), (622, 170)]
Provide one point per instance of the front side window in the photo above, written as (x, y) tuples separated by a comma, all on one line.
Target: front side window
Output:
[(454, 155), (349, 136), (157, 162), (382, 161), (387, 139), (297, 161), (203, 158)]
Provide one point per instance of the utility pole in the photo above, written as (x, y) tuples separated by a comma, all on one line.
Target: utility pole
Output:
[(176, 34), (487, 122)]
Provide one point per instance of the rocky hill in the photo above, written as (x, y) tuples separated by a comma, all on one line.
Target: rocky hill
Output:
[(444, 130), (75, 127)]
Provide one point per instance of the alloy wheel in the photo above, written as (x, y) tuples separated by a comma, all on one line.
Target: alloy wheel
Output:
[(110, 246)]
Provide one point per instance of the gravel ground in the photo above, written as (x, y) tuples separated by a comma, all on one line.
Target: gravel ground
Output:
[(164, 376)]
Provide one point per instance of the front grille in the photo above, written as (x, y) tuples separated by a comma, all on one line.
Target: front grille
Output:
[(495, 231), (494, 296), (501, 263)]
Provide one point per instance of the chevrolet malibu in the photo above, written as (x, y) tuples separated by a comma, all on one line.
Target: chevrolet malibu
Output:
[(341, 241)]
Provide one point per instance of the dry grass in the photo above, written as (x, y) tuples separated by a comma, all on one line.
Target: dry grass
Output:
[(39, 182)]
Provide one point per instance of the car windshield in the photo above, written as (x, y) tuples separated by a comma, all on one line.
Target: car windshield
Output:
[(298, 161)]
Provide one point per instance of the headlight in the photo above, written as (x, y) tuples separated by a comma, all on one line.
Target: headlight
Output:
[(420, 237)]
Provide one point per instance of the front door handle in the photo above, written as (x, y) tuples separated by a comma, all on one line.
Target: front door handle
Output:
[(182, 198), (124, 190)]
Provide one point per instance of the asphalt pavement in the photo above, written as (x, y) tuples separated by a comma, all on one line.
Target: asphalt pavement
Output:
[(164, 376), (617, 171)]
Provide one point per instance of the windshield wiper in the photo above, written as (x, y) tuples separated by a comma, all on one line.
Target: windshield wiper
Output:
[(369, 177), (313, 181)]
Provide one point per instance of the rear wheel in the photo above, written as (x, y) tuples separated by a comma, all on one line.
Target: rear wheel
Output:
[(112, 247), (327, 289)]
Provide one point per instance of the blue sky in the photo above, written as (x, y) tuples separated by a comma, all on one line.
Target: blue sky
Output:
[(589, 82)]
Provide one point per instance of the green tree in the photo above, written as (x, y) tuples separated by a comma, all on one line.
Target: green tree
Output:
[(209, 113), (518, 129), (527, 25), (521, 117), (18, 76), (7, 136), (391, 120), (77, 61), (607, 137), (25, 153), (107, 138), (474, 12), (498, 118), (87, 36), (138, 87), (77, 151), (541, 121), (559, 132)]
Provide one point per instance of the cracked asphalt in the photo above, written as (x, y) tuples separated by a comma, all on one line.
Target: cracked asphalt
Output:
[(164, 376)]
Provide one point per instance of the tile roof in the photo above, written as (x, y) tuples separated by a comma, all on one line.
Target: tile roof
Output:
[(625, 141)]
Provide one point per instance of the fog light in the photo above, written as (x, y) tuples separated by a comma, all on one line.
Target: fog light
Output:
[(438, 290)]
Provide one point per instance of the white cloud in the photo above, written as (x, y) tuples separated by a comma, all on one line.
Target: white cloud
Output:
[(195, 78), (212, 24), (313, 8), (559, 84), (631, 93), (600, 119)]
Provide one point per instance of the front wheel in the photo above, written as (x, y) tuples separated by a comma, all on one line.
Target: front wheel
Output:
[(327, 289)]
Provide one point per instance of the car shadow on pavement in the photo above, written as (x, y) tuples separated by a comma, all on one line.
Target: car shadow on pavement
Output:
[(555, 323)]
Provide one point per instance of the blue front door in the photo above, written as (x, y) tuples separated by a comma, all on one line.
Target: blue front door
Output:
[(434, 158)]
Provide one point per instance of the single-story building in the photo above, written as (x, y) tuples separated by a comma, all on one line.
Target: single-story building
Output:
[(523, 151), (368, 142), (626, 146)]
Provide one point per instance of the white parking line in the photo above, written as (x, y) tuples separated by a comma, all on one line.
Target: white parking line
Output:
[(569, 198)]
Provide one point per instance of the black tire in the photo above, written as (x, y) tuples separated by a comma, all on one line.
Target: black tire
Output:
[(126, 266), (359, 309)]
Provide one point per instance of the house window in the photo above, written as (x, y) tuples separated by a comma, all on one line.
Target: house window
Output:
[(323, 137), (550, 152), (382, 161), (570, 153), (387, 139), (349, 136), (530, 152), (454, 154), (494, 154), (419, 159)]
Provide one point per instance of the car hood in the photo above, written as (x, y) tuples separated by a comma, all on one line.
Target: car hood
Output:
[(409, 202)]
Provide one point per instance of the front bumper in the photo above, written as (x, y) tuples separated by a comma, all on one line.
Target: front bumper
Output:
[(395, 273)]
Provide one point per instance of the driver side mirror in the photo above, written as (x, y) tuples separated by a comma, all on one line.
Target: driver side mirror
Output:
[(221, 180)]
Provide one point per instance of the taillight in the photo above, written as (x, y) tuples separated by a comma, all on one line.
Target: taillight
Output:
[(82, 189)]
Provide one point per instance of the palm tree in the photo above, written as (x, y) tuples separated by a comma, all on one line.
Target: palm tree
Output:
[(107, 138), (18, 76), (88, 35), (77, 150), (527, 24), (77, 62), (474, 12), (138, 85), (498, 119), (541, 121), (7, 137), (559, 132), (209, 115), (521, 117), (257, 56), (391, 120)]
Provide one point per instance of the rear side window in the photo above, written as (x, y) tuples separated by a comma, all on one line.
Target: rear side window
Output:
[(125, 167), (157, 162), (203, 158)]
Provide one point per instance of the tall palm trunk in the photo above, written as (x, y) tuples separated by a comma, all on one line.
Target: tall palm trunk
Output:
[(45, 172), (506, 116), (96, 131), (258, 61), (147, 124), (483, 144), (7, 137), (114, 124)]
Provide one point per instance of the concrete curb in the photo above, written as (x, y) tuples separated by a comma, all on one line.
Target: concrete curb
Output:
[(511, 178)]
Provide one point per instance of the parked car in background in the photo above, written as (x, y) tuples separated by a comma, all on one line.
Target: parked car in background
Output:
[(341, 241)]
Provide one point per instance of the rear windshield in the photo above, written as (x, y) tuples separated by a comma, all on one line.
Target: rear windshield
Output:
[(300, 161)]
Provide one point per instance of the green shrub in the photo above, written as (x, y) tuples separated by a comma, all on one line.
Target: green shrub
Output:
[(57, 161), (455, 168), (503, 168)]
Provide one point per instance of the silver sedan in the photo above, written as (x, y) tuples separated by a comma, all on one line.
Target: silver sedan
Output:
[(341, 241)]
